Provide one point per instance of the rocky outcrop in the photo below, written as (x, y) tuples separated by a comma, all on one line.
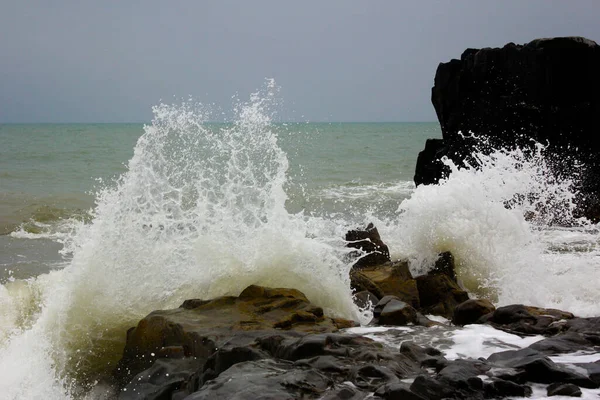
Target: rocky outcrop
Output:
[(547, 90), (199, 327), (372, 250)]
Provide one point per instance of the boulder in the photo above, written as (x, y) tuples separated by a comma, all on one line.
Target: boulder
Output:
[(392, 311), (389, 279), (439, 291), (470, 311), (563, 389), (547, 90), (372, 249), (523, 319), (199, 328)]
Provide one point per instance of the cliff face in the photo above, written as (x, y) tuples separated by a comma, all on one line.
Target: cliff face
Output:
[(548, 90)]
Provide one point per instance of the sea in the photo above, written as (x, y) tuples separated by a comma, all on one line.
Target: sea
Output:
[(102, 223)]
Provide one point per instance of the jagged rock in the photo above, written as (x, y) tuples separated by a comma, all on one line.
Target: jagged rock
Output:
[(500, 388), (424, 356), (396, 312), (393, 391), (563, 389), (393, 278), (365, 299), (439, 292), (163, 378), (470, 311), (264, 380), (547, 89), (569, 342), (204, 326), (530, 320), (368, 241), (460, 372), (539, 368), (429, 388)]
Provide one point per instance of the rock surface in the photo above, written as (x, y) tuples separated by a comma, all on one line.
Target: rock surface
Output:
[(372, 249), (547, 89)]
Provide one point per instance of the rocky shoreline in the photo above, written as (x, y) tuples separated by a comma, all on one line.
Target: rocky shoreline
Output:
[(272, 343)]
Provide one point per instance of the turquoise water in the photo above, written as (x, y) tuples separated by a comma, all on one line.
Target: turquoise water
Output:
[(50, 172)]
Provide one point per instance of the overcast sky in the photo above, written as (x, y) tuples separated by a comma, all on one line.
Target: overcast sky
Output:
[(344, 60)]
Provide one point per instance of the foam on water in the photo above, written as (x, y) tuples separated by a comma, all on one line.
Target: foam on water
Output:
[(522, 253), (199, 213)]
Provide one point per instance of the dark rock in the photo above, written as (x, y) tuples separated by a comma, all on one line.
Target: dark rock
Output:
[(368, 241), (393, 278), (501, 388), (460, 372), (163, 378), (470, 311), (424, 356), (344, 392), (547, 90), (539, 368), (365, 299), (592, 369), (439, 292), (393, 391), (530, 320), (569, 342), (563, 389), (396, 312), (429, 388), (199, 330), (370, 376), (264, 380), (430, 169)]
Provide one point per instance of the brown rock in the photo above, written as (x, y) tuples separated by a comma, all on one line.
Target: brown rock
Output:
[(471, 310), (393, 279), (370, 243), (398, 313), (439, 292), (198, 328)]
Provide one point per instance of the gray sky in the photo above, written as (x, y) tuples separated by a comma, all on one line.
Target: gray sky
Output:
[(344, 60)]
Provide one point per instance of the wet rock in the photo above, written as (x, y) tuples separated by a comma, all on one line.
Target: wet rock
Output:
[(499, 388), (365, 299), (539, 368), (439, 292), (345, 392), (162, 379), (592, 370), (546, 90), (393, 279), (423, 356), (429, 388), (202, 327), (393, 391), (563, 389), (569, 342), (370, 377), (470, 311), (530, 320), (396, 312), (264, 380), (370, 244), (460, 372)]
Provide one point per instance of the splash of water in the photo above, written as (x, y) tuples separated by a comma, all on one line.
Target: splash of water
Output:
[(199, 213), (501, 220)]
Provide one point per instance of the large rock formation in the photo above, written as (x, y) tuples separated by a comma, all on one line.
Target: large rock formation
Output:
[(547, 89)]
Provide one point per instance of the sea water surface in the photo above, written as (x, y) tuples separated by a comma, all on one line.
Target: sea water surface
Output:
[(102, 223)]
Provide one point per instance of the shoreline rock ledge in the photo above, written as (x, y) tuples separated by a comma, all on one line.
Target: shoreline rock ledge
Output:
[(547, 90)]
